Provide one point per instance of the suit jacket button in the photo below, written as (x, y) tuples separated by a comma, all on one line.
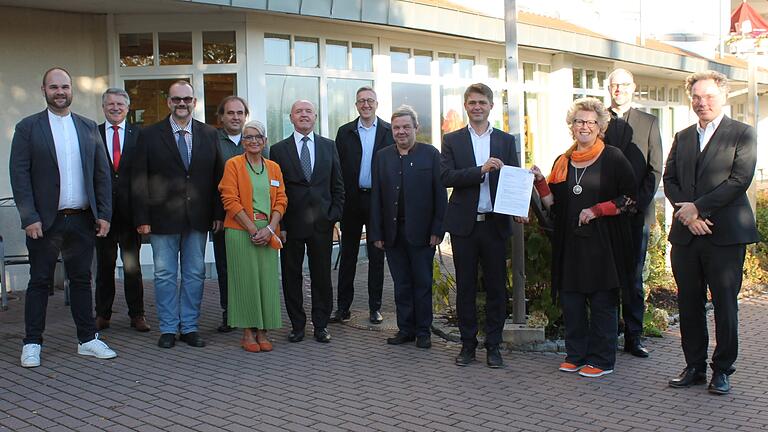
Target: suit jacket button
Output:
[(117, 175)]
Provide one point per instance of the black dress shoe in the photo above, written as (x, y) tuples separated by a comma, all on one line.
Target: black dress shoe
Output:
[(167, 340), (322, 335), (296, 336), (466, 356), (375, 317), (636, 348), (399, 339), (688, 377), (192, 339), (424, 341), (719, 384), (493, 357), (224, 327), (340, 316)]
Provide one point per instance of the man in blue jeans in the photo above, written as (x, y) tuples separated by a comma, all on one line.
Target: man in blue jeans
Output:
[(176, 201)]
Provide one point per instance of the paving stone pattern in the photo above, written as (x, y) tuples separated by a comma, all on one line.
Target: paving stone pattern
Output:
[(355, 383)]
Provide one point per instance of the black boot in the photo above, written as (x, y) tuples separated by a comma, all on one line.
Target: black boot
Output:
[(224, 327)]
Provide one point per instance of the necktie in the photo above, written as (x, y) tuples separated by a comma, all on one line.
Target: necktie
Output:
[(306, 162), (182, 143), (115, 147)]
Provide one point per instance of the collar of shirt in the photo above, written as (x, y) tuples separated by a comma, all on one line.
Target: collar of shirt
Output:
[(52, 116), (176, 128), (487, 132), (361, 126), (297, 137), (711, 126), (120, 125), (235, 138)]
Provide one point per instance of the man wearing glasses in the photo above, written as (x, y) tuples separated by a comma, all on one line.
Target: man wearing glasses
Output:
[(637, 134), (357, 142), (176, 202)]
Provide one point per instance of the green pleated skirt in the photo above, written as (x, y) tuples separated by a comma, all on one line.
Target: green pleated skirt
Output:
[(254, 287)]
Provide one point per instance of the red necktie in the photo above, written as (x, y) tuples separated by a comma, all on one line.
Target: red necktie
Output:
[(115, 147)]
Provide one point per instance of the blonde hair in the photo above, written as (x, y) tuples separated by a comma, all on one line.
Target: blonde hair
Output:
[(593, 105)]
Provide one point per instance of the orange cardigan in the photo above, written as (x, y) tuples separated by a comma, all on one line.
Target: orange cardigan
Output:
[(237, 192)]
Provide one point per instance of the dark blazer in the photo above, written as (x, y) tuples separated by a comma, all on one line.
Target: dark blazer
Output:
[(424, 196), (34, 170), (716, 181), (639, 138), (350, 151), (459, 171), (167, 196), (121, 179), (314, 206)]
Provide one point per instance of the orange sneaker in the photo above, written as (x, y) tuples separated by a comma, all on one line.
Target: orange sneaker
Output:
[(569, 367), (593, 372)]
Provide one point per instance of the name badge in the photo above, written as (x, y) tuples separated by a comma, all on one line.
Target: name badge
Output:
[(274, 183)]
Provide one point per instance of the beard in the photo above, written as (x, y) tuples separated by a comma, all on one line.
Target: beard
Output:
[(51, 101)]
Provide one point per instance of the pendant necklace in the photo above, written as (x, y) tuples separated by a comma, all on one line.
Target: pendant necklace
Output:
[(251, 167), (577, 189)]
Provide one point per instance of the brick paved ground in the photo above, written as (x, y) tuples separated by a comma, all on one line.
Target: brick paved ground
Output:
[(356, 383)]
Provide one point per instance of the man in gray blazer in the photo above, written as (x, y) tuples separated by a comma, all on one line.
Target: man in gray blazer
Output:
[(61, 185), (709, 169)]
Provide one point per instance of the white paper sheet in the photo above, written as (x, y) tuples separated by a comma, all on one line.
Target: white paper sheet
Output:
[(513, 193)]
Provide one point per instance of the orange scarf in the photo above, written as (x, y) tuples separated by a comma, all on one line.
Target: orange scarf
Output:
[(560, 170)]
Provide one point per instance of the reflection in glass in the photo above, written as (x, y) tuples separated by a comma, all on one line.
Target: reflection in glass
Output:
[(578, 80), (422, 60), (148, 99), (219, 47), (419, 97), (136, 49), (528, 71), (495, 68), (175, 48), (600, 78), (336, 54), (398, 57), (277, 49), (306, 52), (216, 87), (465, 66), (341, 102), (452, 114), (445, 60), (591, 79), (362, 57), (282, 92)]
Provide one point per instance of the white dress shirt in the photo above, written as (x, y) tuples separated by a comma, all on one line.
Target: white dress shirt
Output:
[(310, 145), (706, 133), (109, 136), (481, 144), (72, 193), (235, 139)]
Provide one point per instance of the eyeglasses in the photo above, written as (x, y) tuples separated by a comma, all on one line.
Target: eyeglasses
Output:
[(369, 101), (187, 99), (589, 123), (620, 85), (253, 137)]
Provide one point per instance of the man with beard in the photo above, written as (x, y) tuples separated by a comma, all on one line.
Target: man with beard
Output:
[(174, 186), (60, 181)]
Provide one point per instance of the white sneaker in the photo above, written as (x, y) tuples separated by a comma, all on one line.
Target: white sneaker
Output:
[(30, 355), (96, 348)]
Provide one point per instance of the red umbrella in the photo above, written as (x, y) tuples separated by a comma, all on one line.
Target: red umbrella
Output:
[(745, 20)]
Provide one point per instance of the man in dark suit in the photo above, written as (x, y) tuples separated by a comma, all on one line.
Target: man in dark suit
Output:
[(471, 160), (60, 181), (357, 142), (637, 134), (233, 114), (407, 208), (315, 190), (175, 199), (120, 145), (708, 172)]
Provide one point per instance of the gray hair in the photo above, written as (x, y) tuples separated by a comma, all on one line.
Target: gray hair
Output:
[(406, 111), (365, 88), (255, 124), (720, 79), (590, 104), (618, 71), (117, 92)]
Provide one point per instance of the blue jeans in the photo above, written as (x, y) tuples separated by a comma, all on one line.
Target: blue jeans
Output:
[(178, 308)]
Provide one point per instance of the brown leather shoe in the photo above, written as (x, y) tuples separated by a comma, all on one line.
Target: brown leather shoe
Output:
[(140, 324), (101, 323)]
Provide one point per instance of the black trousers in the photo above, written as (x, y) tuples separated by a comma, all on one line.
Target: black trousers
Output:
[(485, 247), (695, 266), (632, 297), (124, 235), (351, 230), (220, 255), (411, 269), (590, 327), (318, 249), (74, 238)]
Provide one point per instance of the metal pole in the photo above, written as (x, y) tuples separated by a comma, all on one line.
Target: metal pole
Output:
[(513, 108), (752, 117)]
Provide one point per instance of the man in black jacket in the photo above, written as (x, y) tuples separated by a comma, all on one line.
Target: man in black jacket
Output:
[(176, 200), (357, 142)]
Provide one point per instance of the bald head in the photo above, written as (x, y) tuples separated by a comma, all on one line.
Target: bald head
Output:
[(303, 116)]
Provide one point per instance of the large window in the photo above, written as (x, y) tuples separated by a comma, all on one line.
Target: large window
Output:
[(282, 92), (149, 99), (341, 102), (586, 83), (217, 87), (452, 114), (419, 97), (219, 47), (136, 49), (175, 48)]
